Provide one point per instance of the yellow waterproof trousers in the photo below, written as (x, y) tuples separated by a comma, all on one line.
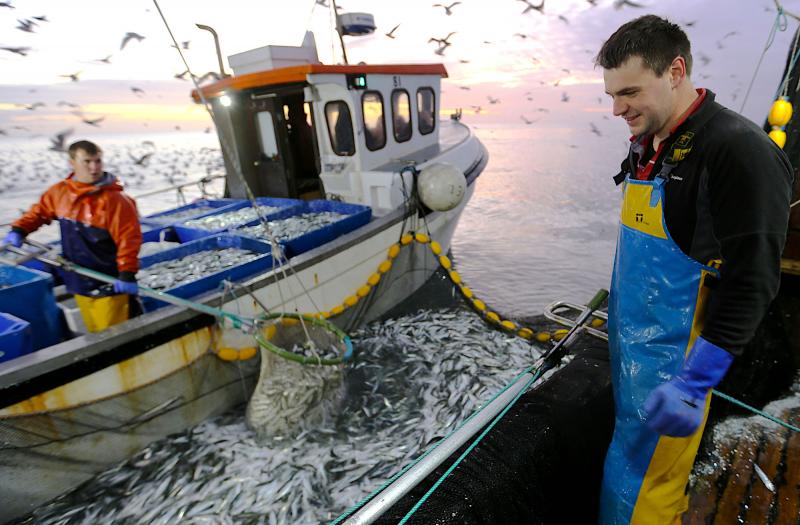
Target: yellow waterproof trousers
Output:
[(101, 312)]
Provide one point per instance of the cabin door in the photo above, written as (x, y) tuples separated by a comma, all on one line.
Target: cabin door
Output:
[(271, 152)]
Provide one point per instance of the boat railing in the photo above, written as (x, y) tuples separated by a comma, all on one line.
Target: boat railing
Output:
[(201, 183)]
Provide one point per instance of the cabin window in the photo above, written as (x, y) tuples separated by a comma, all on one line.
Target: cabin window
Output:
[(401, 115), (426, 110), (340, 128), (266, 134), (374, 126)]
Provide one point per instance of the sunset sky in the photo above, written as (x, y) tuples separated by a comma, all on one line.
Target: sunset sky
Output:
[(531, 62)]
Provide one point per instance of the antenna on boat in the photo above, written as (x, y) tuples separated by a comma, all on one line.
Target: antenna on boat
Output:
[(352, 24), (216, 44)]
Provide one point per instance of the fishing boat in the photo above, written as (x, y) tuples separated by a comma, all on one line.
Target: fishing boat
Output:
[(290, 128)]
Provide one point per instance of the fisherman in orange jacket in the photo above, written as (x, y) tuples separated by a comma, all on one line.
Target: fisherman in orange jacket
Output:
[(99, 230)]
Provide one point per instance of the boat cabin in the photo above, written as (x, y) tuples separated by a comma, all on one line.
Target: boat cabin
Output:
[(319, 131)]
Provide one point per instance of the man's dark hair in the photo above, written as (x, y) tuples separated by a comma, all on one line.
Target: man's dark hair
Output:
[(89, 147), (656, 40)]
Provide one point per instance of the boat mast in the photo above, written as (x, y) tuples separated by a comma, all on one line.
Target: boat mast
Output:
[(339, 31)]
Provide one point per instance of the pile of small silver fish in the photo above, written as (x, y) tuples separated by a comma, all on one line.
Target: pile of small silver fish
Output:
[(228, 219), (169, 218), (168, 274), (413, 379), (293, 226)]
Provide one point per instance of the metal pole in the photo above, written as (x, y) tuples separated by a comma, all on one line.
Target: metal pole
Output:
[(216, 44), (339, 31)]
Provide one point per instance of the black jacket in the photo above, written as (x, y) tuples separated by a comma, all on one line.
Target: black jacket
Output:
[(728, 199)]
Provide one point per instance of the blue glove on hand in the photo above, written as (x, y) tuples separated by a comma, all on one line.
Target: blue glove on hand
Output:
[(128, 287), (14, 238), (677, 407)]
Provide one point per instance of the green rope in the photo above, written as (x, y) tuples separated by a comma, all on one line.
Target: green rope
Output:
[(756, 411), (391, 480)]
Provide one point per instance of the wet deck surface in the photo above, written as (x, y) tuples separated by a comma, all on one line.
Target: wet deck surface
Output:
[(730, 491)]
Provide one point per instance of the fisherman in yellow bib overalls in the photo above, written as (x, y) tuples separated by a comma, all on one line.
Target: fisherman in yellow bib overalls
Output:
[(703, 223)]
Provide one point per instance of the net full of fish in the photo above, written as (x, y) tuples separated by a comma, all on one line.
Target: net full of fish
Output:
[(229, 219), (180, 215), (175, 272), (292, 227), (412, 379)]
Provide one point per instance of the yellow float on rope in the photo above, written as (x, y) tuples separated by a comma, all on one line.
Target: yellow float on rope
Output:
[(385, 266), (493, 317), (558, 335), (436, 248), (406, 239), (466, 292), (543, 337), (269, 332), (597, 323), (778, 136), (509, 325), (422, 238), (336, 310), (455, 277), (394, 249), (480, 305), (227, 353), (445, 262), (781, 112), (525, 333), (364, 290), (351, 300), (247, 352), (374, 279)]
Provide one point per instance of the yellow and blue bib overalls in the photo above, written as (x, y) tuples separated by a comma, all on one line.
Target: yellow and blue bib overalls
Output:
[(656, 310)]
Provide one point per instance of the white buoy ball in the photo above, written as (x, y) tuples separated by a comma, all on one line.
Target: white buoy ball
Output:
[(441, 186)]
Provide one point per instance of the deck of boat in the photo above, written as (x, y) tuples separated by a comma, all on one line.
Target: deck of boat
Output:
[(733, 492)]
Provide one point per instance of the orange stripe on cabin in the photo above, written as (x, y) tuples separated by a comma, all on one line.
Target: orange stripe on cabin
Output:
[(296, 74)]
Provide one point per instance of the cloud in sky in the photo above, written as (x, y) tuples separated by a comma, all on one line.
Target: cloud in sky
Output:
[(496, 51)]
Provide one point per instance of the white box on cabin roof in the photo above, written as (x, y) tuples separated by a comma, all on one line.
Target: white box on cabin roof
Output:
[(274, 57)]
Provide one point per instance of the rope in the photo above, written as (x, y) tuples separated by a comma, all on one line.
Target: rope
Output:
[(756, 411), (780, 23)]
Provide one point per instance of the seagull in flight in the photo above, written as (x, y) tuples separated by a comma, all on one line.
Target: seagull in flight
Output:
[(106, 60), (210, 75), (26, 25), (94, 122), (442, 41), (141, 161), (531, 7), (32, 107), (137, 91), (73, 77), (619, 4), (492, 100), (448, 9), (41, 18), (564, 97), (528, 121), (477, 109), (390, 34), (62, 103), (182, 76), (128, 37), (7, 4), (594, 129), (22, 51), (57, 142)]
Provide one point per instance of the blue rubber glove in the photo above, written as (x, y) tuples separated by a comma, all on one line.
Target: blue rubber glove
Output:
[(14, 238), (128, 287), (677, 407)]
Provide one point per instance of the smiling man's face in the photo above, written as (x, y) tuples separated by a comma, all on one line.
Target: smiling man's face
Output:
[(642, 98)]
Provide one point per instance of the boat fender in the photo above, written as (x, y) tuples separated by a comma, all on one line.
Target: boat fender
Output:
[(441, 186)]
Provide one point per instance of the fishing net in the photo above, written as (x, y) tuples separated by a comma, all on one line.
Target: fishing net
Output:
[(301, 374)]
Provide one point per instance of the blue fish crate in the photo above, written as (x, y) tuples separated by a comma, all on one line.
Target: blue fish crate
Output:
[(16, 337), (165, 218), (187, 233), (158, 233), (356, 216), (262, 263), (28, 294)]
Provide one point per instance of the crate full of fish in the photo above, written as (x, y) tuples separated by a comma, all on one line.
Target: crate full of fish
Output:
[(197, 267), (233, 217), (199, 208), (312, 224)]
